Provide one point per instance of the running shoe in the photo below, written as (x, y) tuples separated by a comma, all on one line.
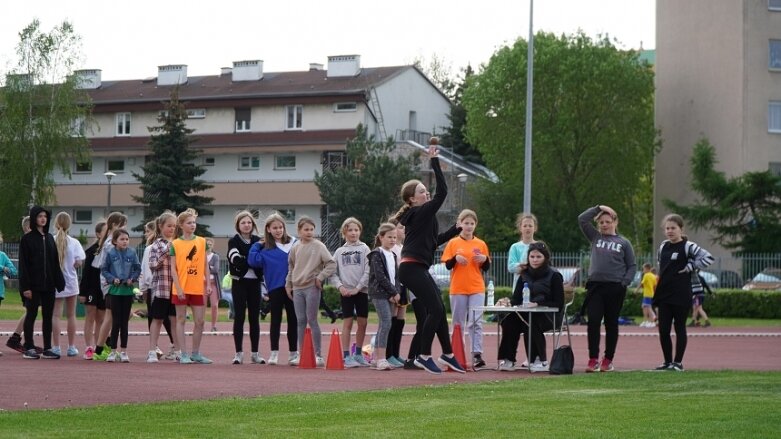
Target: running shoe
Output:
[(238, 358), (293, 359), (478, 362), (49, 354), (606, 366), (72, 351), (506, 365), (171, 355), (15, 342), (409, 364), (152, 357), (428, 365), (88, 353), (273, 359), (450, 363), (56, 350), (395, 362), (678, 367), (185, 359), (123, 357), (349, 362), (101, 356), (158, 353), (200, 359), (540, 366), (319, 361), (31, 354), (257, 359), (593, 365), (112, 357), (360, 360), (384, 365)]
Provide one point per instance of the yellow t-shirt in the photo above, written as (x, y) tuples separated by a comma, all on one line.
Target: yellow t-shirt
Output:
[(190, 259), (649, 284), (466, 279)]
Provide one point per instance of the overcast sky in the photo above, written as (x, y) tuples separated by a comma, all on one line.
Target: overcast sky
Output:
[(128, 40)]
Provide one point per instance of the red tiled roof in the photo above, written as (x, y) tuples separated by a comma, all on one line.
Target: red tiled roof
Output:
[(311, 83)]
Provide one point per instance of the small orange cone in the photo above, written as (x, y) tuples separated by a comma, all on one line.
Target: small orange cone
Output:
[(307, 359), (335, 360), (458, 346)]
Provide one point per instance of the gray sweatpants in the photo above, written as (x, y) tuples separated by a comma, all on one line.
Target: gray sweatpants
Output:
[(383, 308), (462, 306), (307, 303)]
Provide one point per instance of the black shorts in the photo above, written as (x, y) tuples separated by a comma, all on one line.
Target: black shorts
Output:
[(96, 300), (162, 308), (357, 305)]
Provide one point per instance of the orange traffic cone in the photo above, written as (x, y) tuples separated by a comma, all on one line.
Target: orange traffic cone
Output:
[(307, 359), (335, 360), (458, 346)]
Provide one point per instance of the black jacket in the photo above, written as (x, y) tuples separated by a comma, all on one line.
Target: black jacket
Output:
[(238, 250), (380, 285), (422, 235), (546, 288), (90, 276), (39, 263)]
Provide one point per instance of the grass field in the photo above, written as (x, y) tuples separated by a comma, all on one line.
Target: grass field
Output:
[(632, 404)]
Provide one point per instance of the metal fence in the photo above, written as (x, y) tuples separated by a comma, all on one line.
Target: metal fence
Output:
[(742, 266)]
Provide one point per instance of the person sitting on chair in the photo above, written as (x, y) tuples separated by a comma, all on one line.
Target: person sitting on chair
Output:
[(547, 289)]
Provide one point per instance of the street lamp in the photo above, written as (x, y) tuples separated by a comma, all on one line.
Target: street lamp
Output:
[(462, 183), (109, 175)]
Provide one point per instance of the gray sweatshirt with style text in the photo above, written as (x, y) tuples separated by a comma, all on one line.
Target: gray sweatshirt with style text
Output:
[(612, 256)]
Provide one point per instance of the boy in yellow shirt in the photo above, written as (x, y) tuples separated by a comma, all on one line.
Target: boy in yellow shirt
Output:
[(648, 285)]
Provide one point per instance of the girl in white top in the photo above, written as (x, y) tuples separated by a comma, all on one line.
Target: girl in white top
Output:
[(71, 257)]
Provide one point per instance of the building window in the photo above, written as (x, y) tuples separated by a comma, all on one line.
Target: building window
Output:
[(249, 162), (77, 127), (774, 55), (82, 216), (208, 161), (775, 168), (123, 124), (196, 113), (774, 5), (285, 161), (288, 214), (345, 106), (295, 114), (243, 119), (774, 117), (82, 167), (115, 165)]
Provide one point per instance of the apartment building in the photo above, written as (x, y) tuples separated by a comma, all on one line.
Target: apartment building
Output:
[(263, 135), (718, 75)]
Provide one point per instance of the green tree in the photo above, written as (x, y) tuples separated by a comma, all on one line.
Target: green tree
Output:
[(44, 115), (593, 135), (455, 135), (170, 179), (367, 187), (743, 213)]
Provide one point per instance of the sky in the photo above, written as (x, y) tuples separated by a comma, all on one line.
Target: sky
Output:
[(129, 40)]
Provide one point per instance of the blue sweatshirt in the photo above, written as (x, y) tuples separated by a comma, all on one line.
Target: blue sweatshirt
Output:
[(273, 262)]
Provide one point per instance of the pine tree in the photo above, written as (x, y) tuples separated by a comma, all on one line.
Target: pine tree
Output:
[(170, 178)]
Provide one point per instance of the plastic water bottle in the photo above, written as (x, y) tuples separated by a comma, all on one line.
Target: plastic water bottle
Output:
[(490, 295), (526, 294)]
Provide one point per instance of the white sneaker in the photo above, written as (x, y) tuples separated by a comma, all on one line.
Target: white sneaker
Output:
[(158, 352), (539, 367), (274, 358), (112, 357), (349, 362), (152, 357), (123, 357), (238, 358), (383, 365), (293, 359), (525, 364), (257, 359), (319, 361), (506, 365), (171, 355)]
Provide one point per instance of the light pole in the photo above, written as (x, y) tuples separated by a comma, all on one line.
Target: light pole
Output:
[(462, 183), (527, 161), (109, 175)]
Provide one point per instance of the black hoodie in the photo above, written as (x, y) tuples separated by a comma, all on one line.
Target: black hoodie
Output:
[(39, 263)]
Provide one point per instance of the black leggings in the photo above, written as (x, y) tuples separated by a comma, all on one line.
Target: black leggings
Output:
[(668, 315), (420, 317), (46, 301), (120, 316), (278, 301), (605, 300), (394, 338), (166, 321), (246, 301), (512, 328), (418, 280)]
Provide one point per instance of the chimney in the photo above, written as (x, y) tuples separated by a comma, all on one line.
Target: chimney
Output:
[(172, 74), (251, 70), (225, 71), (88, 79), (314, 66), (344, 65)]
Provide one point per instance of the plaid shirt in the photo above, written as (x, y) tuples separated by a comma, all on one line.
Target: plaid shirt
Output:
[(160, 265)]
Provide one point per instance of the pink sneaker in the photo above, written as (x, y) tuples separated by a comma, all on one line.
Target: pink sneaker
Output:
[(606, 366), (88, 353), (593, 365)]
